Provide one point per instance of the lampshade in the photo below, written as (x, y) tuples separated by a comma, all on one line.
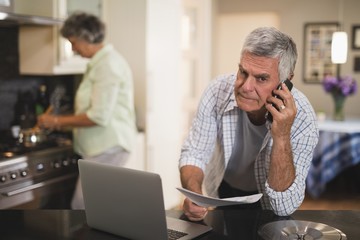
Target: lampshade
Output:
[(339, 46)]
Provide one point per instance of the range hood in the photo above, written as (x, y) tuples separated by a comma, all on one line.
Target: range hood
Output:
[(7, 18)]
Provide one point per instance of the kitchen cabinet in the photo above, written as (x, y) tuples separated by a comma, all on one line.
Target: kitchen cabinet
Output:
[(91, 6), (42, 8), (42, 50), (37, 49), (56, 8)]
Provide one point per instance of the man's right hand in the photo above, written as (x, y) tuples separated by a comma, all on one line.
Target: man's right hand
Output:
[(194, 212), (191, 179)]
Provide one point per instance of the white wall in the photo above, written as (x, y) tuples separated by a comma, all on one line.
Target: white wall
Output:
[(164, 98), (292, 17), (126, 30), (231, 31), (147, 33)]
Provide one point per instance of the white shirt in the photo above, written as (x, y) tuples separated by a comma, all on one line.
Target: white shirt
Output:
[(212, 136)]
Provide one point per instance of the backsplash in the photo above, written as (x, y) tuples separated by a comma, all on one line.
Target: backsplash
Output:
[(60, 89), (13, 86), (9, 54)]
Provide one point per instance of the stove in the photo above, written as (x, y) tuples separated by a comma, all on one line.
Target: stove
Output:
[(41, 176), (10, 147), (10, 150)]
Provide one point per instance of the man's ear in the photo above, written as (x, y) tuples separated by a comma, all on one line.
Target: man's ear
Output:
[(291, 76)]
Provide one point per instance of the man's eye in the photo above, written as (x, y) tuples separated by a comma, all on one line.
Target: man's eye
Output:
[(242, 73), (262, 79)]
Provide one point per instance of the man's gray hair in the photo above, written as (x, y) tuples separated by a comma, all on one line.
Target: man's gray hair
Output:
[(270, 42), (84, 26)]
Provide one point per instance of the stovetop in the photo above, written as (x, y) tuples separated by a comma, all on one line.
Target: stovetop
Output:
[(10, 147)]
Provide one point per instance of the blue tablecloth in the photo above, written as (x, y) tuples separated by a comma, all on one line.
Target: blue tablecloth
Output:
[(338, 149)]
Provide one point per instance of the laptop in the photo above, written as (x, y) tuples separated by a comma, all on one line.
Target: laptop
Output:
[(129, 203)]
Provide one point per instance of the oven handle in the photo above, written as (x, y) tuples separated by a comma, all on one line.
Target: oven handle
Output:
[(39, 185)]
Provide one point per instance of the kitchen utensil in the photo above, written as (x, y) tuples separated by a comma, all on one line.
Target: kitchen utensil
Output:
[(299, 230), (48, 111), (33, 136)]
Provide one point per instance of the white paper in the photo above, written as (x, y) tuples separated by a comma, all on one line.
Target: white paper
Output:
[(205, 201)]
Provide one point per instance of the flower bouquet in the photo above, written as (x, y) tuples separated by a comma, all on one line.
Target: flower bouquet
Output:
[(339, 88)]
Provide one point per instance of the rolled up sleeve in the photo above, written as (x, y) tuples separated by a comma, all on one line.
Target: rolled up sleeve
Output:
[(199, 145), (303, 142)]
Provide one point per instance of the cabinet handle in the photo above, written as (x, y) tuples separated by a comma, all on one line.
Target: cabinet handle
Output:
[(38, 185)]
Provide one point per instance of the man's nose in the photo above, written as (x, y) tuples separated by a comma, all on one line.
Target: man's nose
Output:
[(249, 83)]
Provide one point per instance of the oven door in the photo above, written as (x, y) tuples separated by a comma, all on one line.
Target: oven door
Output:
[(53, 193)]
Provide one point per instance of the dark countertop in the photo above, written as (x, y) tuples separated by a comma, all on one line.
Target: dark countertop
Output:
[(239, 224)]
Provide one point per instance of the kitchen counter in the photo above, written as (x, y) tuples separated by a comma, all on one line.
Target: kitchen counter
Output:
[(227, 224)]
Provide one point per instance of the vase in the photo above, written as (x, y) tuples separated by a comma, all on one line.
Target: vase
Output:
[(339, 101)]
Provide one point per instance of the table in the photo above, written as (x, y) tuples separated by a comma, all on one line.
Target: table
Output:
[(338, 149), (227, 224)]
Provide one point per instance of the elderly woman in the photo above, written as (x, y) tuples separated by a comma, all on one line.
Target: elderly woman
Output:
[(104, 119)]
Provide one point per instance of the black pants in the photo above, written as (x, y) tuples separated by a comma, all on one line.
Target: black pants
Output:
[(226, 191)]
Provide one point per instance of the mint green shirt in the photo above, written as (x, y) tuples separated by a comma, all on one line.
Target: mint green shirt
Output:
[(105, 94)]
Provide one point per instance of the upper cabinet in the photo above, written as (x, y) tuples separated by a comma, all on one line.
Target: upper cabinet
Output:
[(56, 8), (41, 8), (91, 6), (42, 50)]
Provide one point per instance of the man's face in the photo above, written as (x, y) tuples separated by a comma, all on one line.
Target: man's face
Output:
[(257, 77)]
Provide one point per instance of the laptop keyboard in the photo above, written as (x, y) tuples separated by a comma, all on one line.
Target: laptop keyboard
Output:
[(173, 234)]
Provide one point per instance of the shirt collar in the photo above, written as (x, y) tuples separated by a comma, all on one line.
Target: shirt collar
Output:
[(232, 103), (103, 51)]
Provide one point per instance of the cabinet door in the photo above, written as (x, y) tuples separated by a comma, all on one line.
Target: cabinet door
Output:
[(56, 8), (37, 49), (43, 8), (90, 6)]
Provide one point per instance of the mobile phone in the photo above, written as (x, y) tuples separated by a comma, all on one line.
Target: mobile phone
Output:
[(289, 85)]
